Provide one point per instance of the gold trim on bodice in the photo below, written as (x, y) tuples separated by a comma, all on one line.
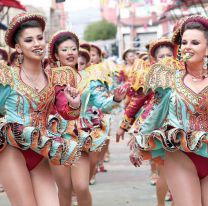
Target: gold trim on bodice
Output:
[(63, 76)]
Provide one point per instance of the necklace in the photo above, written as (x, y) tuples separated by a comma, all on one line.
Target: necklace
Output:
[(198, 78), (33, 81)]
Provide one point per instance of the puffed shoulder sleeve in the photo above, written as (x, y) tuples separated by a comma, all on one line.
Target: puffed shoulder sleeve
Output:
[(6, 75), (62, 106), (6, 83), (61, 77), (162, 75), (101, 98)]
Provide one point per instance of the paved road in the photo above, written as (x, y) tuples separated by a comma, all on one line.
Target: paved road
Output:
[(122, 185)]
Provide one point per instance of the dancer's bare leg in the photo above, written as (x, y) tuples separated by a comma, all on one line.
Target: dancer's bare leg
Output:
[(161, 186), (94, 159), (62, 175), (80, 180), (44, 186), (103, 153), (15, 178), (154, 173), (204, 189), (182, 179)]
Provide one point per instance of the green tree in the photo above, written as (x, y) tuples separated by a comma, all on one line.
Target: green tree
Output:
[(100, 30)]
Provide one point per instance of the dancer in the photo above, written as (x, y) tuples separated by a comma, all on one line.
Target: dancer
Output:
[(176, 128), (84, 59), (28, 93), (90, 128)]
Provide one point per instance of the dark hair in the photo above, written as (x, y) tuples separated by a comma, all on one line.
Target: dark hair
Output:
[(26, 25), (160, 47), (85, 46), (63, 39), (85, 55), (198, 26), (13, 57), (127, 52), (4, 55)]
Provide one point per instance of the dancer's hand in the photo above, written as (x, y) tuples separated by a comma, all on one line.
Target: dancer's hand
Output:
[(131, 142), (120, 93), (120, 134), (73, 96), (136, 160)]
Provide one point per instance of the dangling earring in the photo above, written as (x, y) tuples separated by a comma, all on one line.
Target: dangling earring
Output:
[(58, 63), (205, 64), (20, 58), (179, 51), (179, 54), (44, 63)]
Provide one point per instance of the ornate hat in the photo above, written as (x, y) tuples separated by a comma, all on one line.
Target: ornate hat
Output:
[(54, 38), (127, 51), (194, 18), (4, 54), (176, 31), (157, 43), (85, 53), (17, 21), (85, 45), (98, 49)]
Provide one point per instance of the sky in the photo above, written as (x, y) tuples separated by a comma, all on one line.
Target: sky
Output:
[(70, 5), (77, 5), (81, 12), (37, 3)]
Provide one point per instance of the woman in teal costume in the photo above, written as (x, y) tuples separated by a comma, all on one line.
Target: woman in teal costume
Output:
[(27, 94), (176, 128), (90, 127)]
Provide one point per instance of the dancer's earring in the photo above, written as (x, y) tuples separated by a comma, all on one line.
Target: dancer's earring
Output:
[(205, 64)]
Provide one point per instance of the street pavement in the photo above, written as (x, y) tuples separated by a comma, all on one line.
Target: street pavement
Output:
[(122, 184)]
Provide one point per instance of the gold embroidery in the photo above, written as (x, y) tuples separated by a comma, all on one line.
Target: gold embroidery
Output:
[(6, 75), (98, 72), (63, 76), (163, 74), (40, 103), (159, 76), (196, 105)]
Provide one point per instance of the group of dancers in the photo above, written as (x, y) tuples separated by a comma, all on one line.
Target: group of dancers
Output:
[(56, 112)]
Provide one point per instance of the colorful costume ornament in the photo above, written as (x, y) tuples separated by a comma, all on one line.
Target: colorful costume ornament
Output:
[(178, 117), (141, 68), (141, 114), (125, 75), (92, 127), (176, 38), (25, 110), (137, 98)]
